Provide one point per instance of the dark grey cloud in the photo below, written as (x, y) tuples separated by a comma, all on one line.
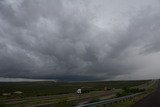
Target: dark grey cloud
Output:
[(78, 40)]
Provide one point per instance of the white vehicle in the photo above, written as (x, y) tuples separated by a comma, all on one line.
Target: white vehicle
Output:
[(79, 91)]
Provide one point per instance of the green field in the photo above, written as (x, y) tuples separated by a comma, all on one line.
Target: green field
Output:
[(31, 89), (61, 92)]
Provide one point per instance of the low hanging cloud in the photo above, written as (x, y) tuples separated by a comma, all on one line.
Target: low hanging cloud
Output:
[(79, 40)]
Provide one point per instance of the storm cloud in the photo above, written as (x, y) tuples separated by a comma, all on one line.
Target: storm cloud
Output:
[(80, 40)]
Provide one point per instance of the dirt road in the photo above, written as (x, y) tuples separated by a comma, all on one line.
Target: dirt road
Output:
[(152, 100)]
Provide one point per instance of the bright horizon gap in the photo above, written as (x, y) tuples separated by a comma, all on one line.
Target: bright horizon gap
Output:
[(5, 79)]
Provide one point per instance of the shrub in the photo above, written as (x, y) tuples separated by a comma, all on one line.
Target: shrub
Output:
[(128, 91)]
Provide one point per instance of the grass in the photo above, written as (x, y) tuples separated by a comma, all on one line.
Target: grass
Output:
[(130, 102), (127, 103), (129, 91), (31, 89), (62, 90)]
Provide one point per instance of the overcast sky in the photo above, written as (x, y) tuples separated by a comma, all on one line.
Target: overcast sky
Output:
[(80, 39)]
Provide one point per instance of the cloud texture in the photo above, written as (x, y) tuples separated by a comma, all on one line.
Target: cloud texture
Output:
[(79, 39)]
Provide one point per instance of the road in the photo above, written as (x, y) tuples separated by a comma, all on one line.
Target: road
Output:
[(152, 100), (83, 99)]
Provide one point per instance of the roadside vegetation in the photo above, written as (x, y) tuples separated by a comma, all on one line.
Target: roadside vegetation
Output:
[(128, 103), (128, 91), (31, 89), (63, 92)]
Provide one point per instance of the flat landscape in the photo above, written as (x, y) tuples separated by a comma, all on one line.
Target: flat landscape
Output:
[(54, 93), (79, 53)]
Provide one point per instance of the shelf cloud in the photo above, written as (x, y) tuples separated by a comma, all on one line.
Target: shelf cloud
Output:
[(80, 40)]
